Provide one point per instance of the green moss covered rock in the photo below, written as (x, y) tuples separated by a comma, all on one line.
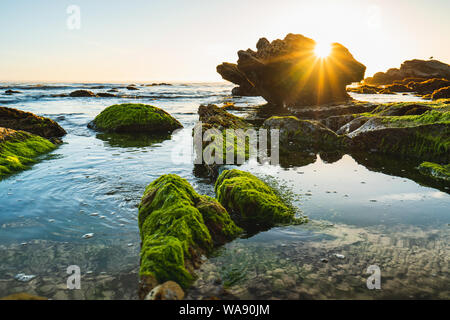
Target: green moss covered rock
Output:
[(178, 226), (304, 134), (18, 150), (251, 202), (134, 118), (434, 170), (212, 128), (415, 130)]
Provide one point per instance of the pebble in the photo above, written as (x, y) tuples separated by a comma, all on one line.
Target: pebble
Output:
[(339, 256), (324, 260), (51, 220), (102, 217), (130, 244), (94, 214), (88, 235), (22, 277)]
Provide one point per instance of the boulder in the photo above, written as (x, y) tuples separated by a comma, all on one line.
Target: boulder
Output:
[(105, 95), (9, 92), (19, 149), (27, 121), (425, 137), (167, 291), (364, 89), (253, 204), (422, 69), (214, 117), (428, 86), (81, 94), (441, 93), (397, 88), (177, 227), (134, 118), (288, 73), (214, 121), (301, 135)]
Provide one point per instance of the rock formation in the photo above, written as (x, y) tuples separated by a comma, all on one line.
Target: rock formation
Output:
[(422, 69), (27, 121), (288, 72), (134, 118)]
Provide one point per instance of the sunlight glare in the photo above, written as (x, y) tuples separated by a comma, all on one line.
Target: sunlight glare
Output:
[(322, 50)]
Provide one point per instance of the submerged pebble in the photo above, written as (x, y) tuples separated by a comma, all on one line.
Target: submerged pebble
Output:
[(22, 277), (88, 235)]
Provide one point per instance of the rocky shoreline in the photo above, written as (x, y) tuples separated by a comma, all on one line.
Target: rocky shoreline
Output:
[(313, 114)]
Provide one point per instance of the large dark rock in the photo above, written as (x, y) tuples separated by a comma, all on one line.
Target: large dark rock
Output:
[(81, 94), (424, 69), (288, 72), (27, 121)]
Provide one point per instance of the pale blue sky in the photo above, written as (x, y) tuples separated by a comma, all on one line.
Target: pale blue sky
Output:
[(175, 40)]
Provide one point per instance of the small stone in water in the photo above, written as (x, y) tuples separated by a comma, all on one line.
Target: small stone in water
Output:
[(24, 243), (130, 244), (88, 235), (102, 217), (324, 260), (339, 256), (94, 214), (51, 220), (22, 277)]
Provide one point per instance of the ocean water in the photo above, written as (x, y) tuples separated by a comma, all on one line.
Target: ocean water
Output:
[(372, 212)]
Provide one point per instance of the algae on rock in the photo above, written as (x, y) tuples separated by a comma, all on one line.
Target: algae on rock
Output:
[(19, 149), (137, 118), (251, 202), (434, 170), (178, 226)]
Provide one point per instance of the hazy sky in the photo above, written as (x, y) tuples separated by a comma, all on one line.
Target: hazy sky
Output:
[(184, 40)]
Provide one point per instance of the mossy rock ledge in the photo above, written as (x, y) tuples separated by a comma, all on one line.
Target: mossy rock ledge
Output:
[(134, 118), (177, 228), (252, 203), (19, 150), (305, 134), (213, 122)]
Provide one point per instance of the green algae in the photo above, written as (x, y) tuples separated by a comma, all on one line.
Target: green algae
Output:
[(134, 118), (418, 130), (434, 170), (178, 226), (19, 151), (255, 203)]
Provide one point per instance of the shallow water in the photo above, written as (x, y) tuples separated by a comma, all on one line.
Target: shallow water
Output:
[(94, 182)]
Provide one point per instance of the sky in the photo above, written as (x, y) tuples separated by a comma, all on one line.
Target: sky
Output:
[(184, 40)]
